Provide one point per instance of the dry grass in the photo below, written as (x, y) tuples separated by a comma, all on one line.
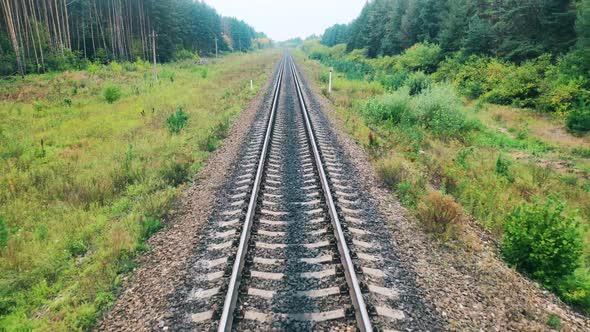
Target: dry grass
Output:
[(440, 214)]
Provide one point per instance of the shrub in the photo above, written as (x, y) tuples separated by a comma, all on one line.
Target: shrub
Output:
[(521, 85), (177, 121), (439, 213), (175, 173), (93, 68), (578, 121), (77, 248), (418, 82), (186, 55), (116, 67), (112, 94), (394, 81), (420, 57), (393, 170), (560, 97), (394, 107), (204, 73), (438, 109), (210, 143), (575, 289), (540, 240)]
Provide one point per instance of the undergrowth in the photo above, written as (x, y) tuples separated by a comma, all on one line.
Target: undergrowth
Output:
[(450, 160), (84, 183)]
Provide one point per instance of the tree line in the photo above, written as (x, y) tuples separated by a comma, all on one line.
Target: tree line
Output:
[(42, 35), (514, 30)]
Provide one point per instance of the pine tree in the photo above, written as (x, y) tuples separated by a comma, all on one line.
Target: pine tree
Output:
[(479, 36), (454, 26)]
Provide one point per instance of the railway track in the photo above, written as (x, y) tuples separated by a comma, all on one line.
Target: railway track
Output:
[(292, 247)]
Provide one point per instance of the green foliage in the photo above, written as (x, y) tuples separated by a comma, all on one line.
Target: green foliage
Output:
[(177, 121), (393, 107), (575, 289), (513, 30), (418, 82), (74, 219), (77, 247), (149, 226), (554, 322), (503, 168), (439, 110), (420, 57), (539, 239), (394, 81), (204, 73), (175, 173), (3, 234), (521, 86), (186, 55), (578, 121), (112, 93)]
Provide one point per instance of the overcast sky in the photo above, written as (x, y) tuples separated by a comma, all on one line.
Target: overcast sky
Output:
[(285, 19)]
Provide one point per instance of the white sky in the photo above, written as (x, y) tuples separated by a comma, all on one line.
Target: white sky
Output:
[(285, 19)]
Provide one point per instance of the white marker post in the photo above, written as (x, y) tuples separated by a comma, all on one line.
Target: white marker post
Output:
[(251, 85), (330, 83)]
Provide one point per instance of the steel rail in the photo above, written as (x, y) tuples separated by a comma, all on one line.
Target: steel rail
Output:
[(362, 315), (231, 297)]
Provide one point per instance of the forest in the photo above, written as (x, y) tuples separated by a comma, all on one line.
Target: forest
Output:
[(37, 36), (533, 54), (510, 29)]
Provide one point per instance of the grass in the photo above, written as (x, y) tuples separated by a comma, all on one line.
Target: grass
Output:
[(89, 168), (487, 159)]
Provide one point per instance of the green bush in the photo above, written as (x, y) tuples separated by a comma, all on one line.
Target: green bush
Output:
[(77, 248), (112, 94), (575, 289), (521, 86), (540, 240), (423, 57), (578, 121), (418, 82), (177, 121), (393, 107), (394, 81), (439, 110), (186, 55)]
